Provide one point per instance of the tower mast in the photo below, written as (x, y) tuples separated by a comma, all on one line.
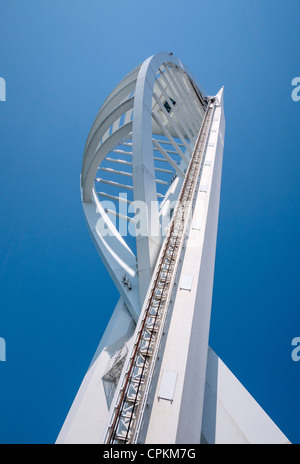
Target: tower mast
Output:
[(150, 186)]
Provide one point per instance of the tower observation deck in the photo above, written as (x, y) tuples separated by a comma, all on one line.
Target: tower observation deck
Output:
[(150, 186)]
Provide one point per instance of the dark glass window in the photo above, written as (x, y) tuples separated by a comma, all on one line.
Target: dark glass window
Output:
[(167, 106)]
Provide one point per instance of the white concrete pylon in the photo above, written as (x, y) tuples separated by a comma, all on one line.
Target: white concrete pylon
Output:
[(230, 414)]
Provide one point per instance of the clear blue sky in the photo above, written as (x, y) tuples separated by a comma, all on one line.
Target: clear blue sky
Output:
[(60, 59)]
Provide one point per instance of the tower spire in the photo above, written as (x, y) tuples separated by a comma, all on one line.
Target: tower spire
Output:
[(150, 185)]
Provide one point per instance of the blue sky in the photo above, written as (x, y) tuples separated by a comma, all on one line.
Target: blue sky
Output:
[(60, 59)]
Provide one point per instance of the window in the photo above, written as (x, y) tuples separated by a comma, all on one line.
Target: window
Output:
[(167, 106)]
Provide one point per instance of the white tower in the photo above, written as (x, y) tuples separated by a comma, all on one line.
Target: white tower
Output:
[(150, 185)]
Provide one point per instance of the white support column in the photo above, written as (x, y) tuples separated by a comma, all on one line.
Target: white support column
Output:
[(176, 414), (144, 183), (231, 416), (87, 418)]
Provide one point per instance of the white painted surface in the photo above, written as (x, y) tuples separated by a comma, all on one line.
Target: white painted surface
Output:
[(87, 418), (231, 415), (188, 332)]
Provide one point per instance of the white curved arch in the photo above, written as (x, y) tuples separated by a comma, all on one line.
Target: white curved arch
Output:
[(149, 245), (95, 157), (155, 100), (143, 164)]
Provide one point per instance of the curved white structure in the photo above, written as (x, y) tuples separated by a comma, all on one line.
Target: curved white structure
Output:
[(150, 186), (125, 155)]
